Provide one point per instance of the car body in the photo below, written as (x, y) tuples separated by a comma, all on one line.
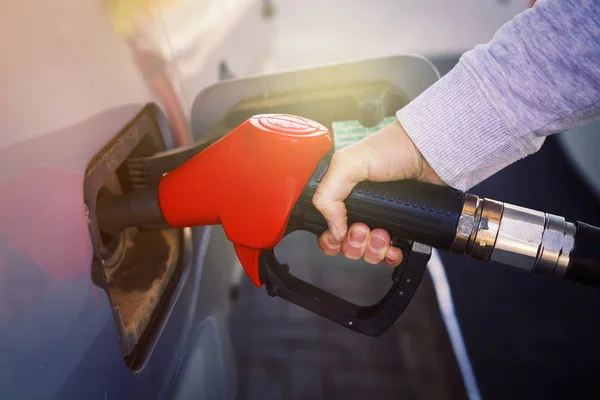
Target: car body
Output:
[(73, 75)]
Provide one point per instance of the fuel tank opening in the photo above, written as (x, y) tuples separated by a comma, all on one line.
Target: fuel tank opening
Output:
[(137, 267)]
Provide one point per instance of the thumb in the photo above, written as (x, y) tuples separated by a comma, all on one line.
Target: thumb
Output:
[(343, 174)]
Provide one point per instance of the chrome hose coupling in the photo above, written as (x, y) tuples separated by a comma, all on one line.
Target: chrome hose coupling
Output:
[(527, 239)]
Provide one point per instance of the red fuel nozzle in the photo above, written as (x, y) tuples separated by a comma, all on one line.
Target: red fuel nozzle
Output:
[(248, 181)]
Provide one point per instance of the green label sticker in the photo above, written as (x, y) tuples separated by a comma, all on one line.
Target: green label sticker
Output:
[(347, 132)]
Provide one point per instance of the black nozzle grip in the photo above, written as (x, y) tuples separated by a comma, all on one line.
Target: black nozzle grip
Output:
[(584, 263), (408, 209)]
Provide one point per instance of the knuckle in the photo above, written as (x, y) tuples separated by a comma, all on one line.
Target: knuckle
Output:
[(341, 161), (338, 158), (320, 201)]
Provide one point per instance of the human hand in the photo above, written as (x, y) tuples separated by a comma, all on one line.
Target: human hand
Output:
[(387, 155)]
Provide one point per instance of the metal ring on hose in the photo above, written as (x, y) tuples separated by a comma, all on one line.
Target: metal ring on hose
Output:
[(552, 243), (487, 229), (565, 252), (467, 224)]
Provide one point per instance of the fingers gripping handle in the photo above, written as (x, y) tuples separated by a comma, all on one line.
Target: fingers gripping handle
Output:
[(412, 210)]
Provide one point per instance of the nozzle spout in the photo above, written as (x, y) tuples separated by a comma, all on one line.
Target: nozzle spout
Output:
[(139, 208)]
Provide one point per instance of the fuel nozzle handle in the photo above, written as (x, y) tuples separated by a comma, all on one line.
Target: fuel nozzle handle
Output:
[(410, 210), (463, 223)]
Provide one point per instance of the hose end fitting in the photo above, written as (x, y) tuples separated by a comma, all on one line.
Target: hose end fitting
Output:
[(527, 239)]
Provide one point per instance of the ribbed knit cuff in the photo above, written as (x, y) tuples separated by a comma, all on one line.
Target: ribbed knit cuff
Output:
[(458, 131)]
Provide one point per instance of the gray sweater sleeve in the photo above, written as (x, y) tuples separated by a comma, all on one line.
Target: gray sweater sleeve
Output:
[(539, 75)]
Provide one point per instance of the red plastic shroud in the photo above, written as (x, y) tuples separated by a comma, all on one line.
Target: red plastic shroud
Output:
[(248, 181)]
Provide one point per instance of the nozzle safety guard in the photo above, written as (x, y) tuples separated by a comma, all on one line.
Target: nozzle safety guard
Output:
[(248, 181)]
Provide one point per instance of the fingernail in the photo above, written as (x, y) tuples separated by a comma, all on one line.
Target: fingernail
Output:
[(376, 243), (357, 237), (389, 259), (331, 242)]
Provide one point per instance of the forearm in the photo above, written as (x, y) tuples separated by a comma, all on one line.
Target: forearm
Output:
[(539, 75)]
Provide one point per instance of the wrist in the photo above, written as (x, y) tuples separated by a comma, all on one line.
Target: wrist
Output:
[(426, 173), (423, 170)]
